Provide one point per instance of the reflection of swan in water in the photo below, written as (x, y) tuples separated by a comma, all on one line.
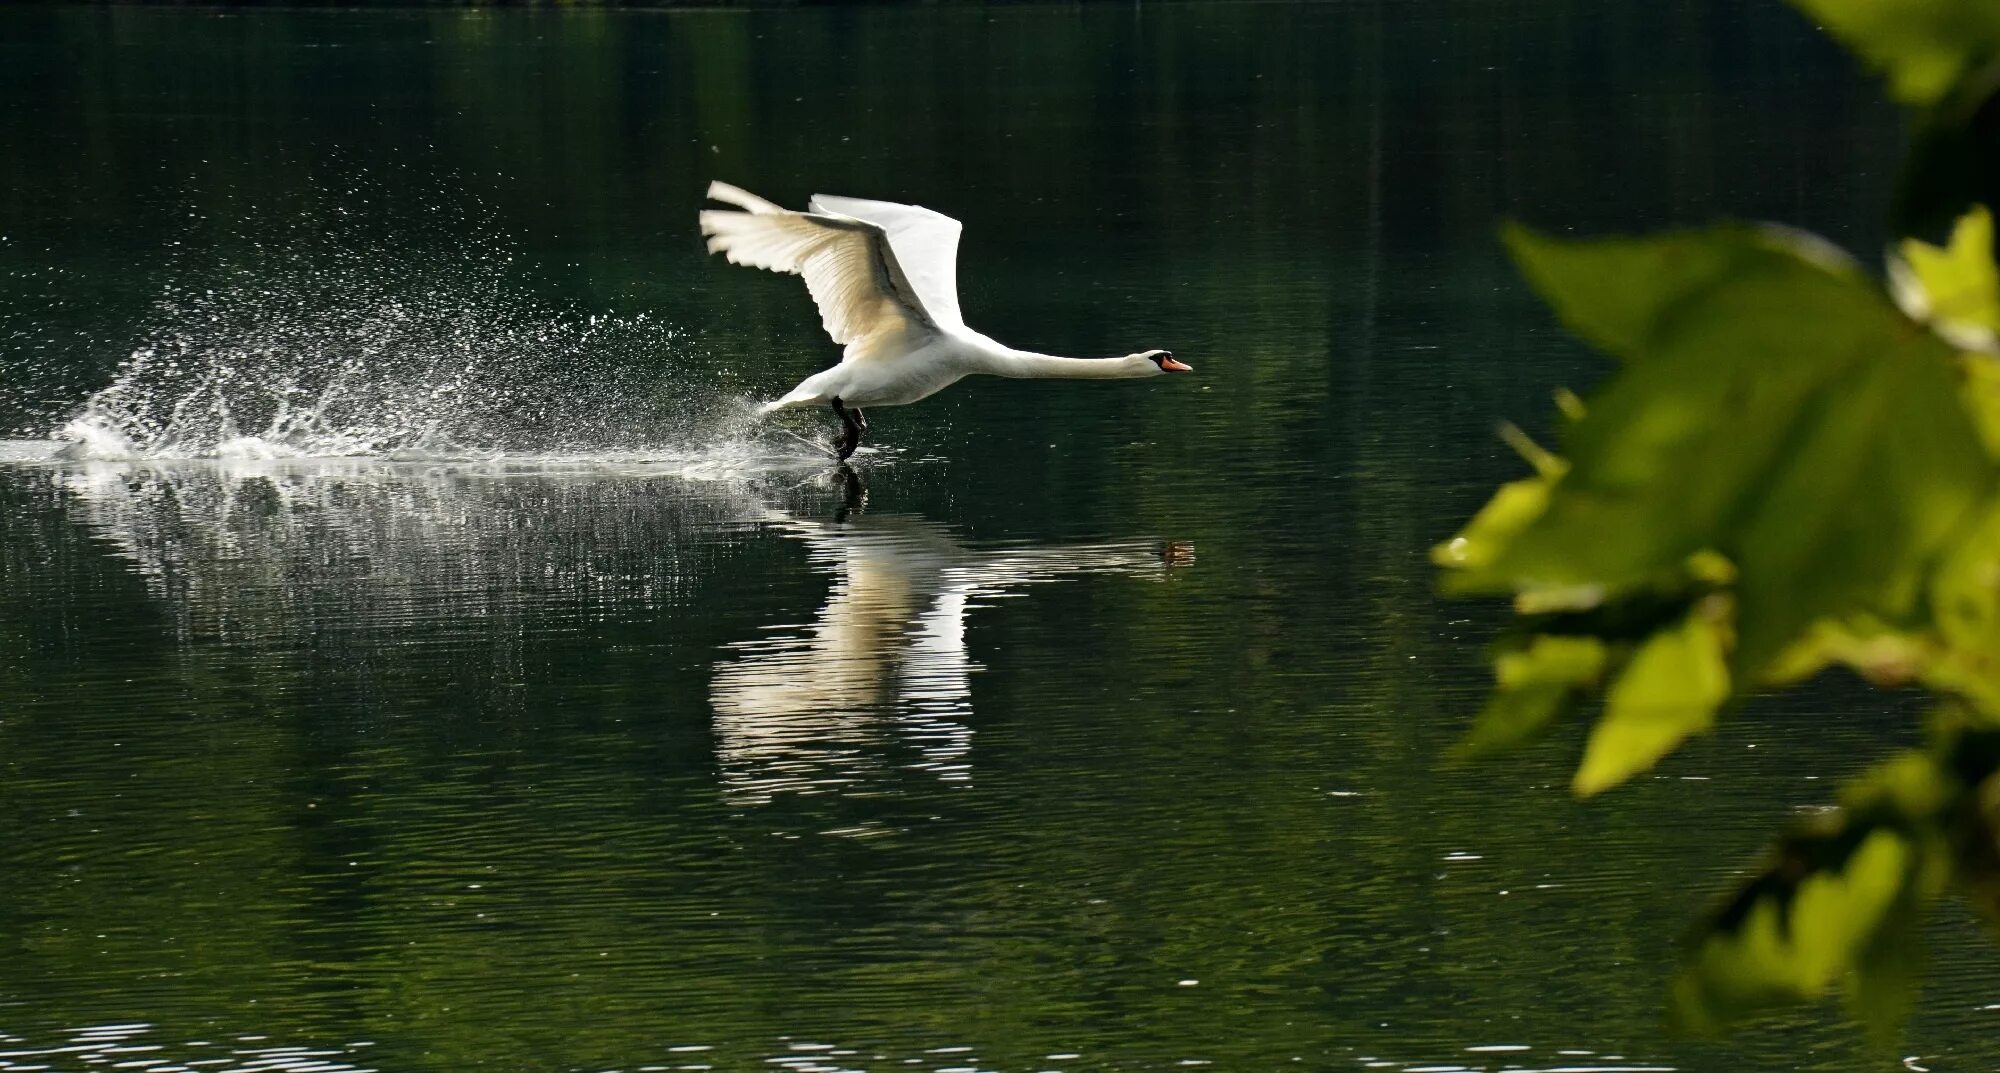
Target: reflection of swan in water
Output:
[(884, 667), (364, 557)]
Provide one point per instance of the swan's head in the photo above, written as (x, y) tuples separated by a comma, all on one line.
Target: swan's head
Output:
[(1164, 361)]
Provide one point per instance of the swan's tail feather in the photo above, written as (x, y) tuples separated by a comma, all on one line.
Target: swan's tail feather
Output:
[(791, 402), (742, 199), (798, 399)]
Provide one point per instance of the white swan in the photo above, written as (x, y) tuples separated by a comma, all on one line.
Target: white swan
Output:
[(885, 278)]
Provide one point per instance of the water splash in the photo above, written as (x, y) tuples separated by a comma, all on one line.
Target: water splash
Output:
[(342, 367), (332, 334)]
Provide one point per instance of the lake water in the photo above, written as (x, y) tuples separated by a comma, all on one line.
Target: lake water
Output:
[(569, 720)]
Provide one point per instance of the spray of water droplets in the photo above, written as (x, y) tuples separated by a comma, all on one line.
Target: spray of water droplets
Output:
[(333, 335)]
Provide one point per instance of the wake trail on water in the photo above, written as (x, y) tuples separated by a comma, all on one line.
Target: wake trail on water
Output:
[(324, 340)]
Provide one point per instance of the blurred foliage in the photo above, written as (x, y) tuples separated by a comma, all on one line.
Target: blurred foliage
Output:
[(1942, 59), (1795, 466)]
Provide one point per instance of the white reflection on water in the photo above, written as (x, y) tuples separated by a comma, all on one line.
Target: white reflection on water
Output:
[(815, 708), (377, 554), (264, 550), (130, 1046)]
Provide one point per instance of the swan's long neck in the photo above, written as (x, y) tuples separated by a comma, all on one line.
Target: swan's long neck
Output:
[(1026, 364)]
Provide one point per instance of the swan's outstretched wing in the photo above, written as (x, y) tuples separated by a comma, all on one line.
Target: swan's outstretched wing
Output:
[(866, 301), (926, 245)]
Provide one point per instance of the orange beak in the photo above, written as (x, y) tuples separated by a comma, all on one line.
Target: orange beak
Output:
[(1175, 366)]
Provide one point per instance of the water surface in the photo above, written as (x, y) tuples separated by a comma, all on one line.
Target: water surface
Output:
[(569, 720)]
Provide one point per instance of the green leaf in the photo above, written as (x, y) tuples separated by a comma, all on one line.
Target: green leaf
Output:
[(1614, 292), (1885, 657), (1955, 287), (1981, 388), (1775, 408), (1669, 690), (1923, 47), (1965, 608), (1956, 651), (1513, 717), (1802, 927), (1883, 990), (1840, 900), (1884, 468), (1513, 507), (1536, 684)]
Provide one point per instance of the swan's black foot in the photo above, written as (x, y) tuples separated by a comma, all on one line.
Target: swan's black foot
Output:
[(856, 499), (852, 425)]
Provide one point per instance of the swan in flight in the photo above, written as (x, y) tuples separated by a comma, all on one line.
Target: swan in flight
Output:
[(885, 278)]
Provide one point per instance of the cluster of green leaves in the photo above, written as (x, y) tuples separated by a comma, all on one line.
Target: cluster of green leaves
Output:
[(1795, 465)]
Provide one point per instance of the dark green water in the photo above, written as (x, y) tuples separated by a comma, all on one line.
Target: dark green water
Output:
[(1105, 735)]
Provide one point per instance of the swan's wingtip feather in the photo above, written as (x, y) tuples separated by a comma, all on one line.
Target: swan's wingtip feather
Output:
[(741, 198), (713, 222)]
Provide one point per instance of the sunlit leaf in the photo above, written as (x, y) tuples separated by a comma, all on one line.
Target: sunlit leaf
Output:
[(1546, 464), (1534, 686), (1923, 47), (1670, 689), (1711, 567), (1955, 287), (1787, 471), (1839, 901), (1883, 469), (1513, 507), (1621, 293), (1794, 935), (1957, 652), (1981, 388), (1813, 919), (1886, 657), (1883, 988), (1570, 404), (1775, 408), (1965, 607)]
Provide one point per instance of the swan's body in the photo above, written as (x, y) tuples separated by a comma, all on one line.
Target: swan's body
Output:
[(885, 278)]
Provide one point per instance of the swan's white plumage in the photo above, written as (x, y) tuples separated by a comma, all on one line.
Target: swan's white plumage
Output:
[(885, 278), (865, 301), (926, 245)]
